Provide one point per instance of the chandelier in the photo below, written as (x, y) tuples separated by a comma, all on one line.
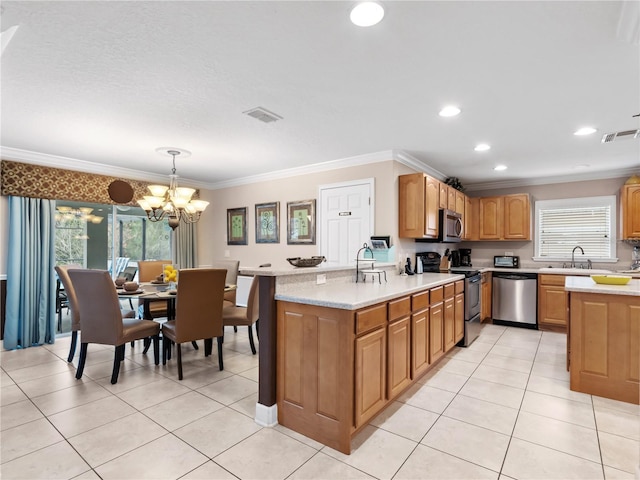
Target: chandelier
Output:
[(172, 202), (66, 214)]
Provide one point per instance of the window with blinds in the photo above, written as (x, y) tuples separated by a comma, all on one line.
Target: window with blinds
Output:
[(564, 224)]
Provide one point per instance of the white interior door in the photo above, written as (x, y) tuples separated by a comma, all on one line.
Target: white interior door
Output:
[(346, 219)]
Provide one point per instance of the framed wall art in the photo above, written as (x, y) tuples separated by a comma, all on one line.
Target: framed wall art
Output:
[(301, 222), (267, 224), (237, 226)]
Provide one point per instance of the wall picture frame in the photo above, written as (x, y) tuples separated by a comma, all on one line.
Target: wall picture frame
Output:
[(301, 222), (237, 226), (267, 222)]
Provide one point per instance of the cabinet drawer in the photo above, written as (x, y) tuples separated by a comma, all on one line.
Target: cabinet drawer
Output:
[(449, 290), (459, 286), (420, 301), (399, 308), (437, 295), (551, 279), (370, 318)]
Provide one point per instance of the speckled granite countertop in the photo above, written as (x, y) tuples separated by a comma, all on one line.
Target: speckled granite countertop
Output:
[(587, 285)]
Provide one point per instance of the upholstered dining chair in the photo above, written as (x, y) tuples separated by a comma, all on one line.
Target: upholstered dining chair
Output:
[(235, 316), (232, 267), (148, 270), (63, 275), (198, 313), (101, 320)]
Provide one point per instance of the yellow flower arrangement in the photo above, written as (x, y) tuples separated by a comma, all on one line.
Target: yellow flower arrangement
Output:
[(170, 274)]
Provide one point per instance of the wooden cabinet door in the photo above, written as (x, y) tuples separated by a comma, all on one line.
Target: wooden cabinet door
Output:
[(471, 219), (552, 306), (485, 306), (460, 199), (517, 217), (436, 326), (411, 205), (491, 218), (443, 199), (630, 206), (370, 375), (451, 198), (399, 357), (449, 324), (432, 221), (458, 328), (420, 343)]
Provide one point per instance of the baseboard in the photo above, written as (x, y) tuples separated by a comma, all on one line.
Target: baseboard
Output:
[(266, 416)]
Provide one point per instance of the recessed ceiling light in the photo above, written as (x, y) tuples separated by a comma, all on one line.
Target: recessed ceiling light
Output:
[(499, 168), (366, 14), (482, 147), (582, 166), (449, 111), (585, 131)]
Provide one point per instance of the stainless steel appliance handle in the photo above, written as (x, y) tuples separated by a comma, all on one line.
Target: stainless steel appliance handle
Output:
[(458, 227)]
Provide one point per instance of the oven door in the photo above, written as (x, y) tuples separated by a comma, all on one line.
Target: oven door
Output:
[(472, 296)]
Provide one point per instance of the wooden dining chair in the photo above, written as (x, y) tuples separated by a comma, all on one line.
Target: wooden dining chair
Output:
[(101, 319), (148, 271), (236, 316), (232, 267), (198, 313), (63, 275)]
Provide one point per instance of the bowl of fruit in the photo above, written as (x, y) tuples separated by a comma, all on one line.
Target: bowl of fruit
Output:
[(170, 274)]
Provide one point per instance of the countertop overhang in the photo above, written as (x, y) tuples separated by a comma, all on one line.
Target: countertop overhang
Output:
[(587, 285)]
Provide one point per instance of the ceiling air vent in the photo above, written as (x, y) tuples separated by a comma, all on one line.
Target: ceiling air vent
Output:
[(610, 137), (263, 115)]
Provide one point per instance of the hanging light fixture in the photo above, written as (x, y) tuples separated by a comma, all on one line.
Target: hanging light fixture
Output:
[(172, 202)]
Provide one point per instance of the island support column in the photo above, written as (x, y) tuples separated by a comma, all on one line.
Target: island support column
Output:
[(266, 408)]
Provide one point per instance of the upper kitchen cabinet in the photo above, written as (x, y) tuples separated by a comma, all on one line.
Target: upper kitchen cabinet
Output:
[(443, 200), (471, 217), (630, 211), (506, 217), (491, 216), (419, 206)]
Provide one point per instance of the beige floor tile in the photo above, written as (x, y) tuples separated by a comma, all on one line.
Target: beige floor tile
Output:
[(246, 406), (557, 388), (55, 461), (112, 440), (52, 383), (218, 431), (128, 379), (266, 454), (405, 420), (553, 338), (515, 364), (199, 375), (240, 363), (11, 394), (166, 457), (230, 390), (549, 358), (427, 398), (619, 452), (40, 371), (559, 372), (460, 353), (182, 410), (209, 471), (18, 413), (24, 358), (615, 474), (510, 378), (5, 380), (629, 408), (428, 464), (61, 400), (251, 374), (527, 461), (85, 417), (477, 412), (563, 409), (98, 370), (493, 392), (565, 437), (88, 475), (27, 438), (512, 352), (468, 442), (323, 467), (376, 452), (480, 347), (299, 437), (153, 393), (459, 367), (444, 380)]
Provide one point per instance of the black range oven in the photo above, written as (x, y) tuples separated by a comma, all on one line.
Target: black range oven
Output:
[(472, 304)]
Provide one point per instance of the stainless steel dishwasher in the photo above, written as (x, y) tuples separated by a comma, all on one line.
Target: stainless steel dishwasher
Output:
[(515, 299)]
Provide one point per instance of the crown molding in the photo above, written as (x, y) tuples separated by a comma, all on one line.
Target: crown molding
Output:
[(412, 162)]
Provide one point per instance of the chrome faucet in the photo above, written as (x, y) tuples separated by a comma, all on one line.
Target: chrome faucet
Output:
[(573, 252)]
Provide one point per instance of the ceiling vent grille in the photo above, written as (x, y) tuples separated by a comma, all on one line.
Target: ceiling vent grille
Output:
[(263, 115), (610, 137)]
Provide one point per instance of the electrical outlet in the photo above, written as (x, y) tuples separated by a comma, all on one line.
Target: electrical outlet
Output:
[(321, 279), (508, 254), (227, 253)]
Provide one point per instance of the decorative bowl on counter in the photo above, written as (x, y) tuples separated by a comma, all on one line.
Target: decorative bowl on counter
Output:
[(306, 262), (611, 279)]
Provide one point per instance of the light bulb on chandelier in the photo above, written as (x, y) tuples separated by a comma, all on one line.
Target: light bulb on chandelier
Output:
[(173, 202)]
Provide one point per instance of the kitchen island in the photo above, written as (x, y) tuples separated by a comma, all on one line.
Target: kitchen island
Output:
[(603, 339)]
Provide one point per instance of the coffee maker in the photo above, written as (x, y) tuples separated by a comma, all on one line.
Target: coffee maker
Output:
[(465, 257)]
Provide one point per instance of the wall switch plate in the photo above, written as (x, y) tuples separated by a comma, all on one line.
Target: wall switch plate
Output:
[(508, 254), (321, 279), (227, 253)]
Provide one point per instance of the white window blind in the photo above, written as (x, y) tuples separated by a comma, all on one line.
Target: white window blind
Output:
[(564, 224)]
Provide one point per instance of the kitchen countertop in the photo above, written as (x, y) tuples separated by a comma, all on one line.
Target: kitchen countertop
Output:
[(587, 285)]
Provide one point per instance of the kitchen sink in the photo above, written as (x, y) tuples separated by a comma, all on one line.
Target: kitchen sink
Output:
[(574, 271)]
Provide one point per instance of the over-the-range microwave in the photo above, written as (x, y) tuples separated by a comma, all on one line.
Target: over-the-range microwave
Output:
[(450, 226)]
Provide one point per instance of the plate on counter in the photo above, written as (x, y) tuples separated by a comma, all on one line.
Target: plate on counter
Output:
[(611, 279)]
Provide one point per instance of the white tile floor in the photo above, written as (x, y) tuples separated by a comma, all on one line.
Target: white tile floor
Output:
[(500, 409)]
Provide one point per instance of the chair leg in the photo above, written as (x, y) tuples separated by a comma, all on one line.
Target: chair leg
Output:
[(83, 358), (133, 343), (195, 345), (208, 346), (156, 349), (235, 329), (257, 329), (118, 356), (72, 349), (147, 344), (253, 347), (220, 353), (165, 348), (179, 350)]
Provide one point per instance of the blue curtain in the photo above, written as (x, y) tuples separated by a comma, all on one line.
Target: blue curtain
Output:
[(30, 311)]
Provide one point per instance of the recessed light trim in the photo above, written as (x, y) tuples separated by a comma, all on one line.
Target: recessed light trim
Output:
[(449, 111), (585, 131), (499, 168), (482, 147), (367, 14)]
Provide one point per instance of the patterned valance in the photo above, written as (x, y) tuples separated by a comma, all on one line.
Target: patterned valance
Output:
[(36, 181)]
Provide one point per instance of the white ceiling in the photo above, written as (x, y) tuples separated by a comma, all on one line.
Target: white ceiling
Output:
[(108, 82)]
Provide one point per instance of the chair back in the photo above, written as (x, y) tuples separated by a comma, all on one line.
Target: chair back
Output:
[(121, 264), (129, 273), (199, 303), (231, 266), (253, 301), (148, 270), (63, 275), (100, 316)]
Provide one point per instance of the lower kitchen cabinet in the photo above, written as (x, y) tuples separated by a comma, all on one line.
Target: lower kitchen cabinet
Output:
[(449, 323), (399, 356), (436, 331), (370, 375), (459, 317), (485, 306), (420, 343), (553, 303)]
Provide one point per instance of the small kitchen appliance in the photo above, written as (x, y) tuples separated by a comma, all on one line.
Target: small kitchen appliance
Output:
[(455, 258), (465, 257), (430, 261), (507, 261)]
